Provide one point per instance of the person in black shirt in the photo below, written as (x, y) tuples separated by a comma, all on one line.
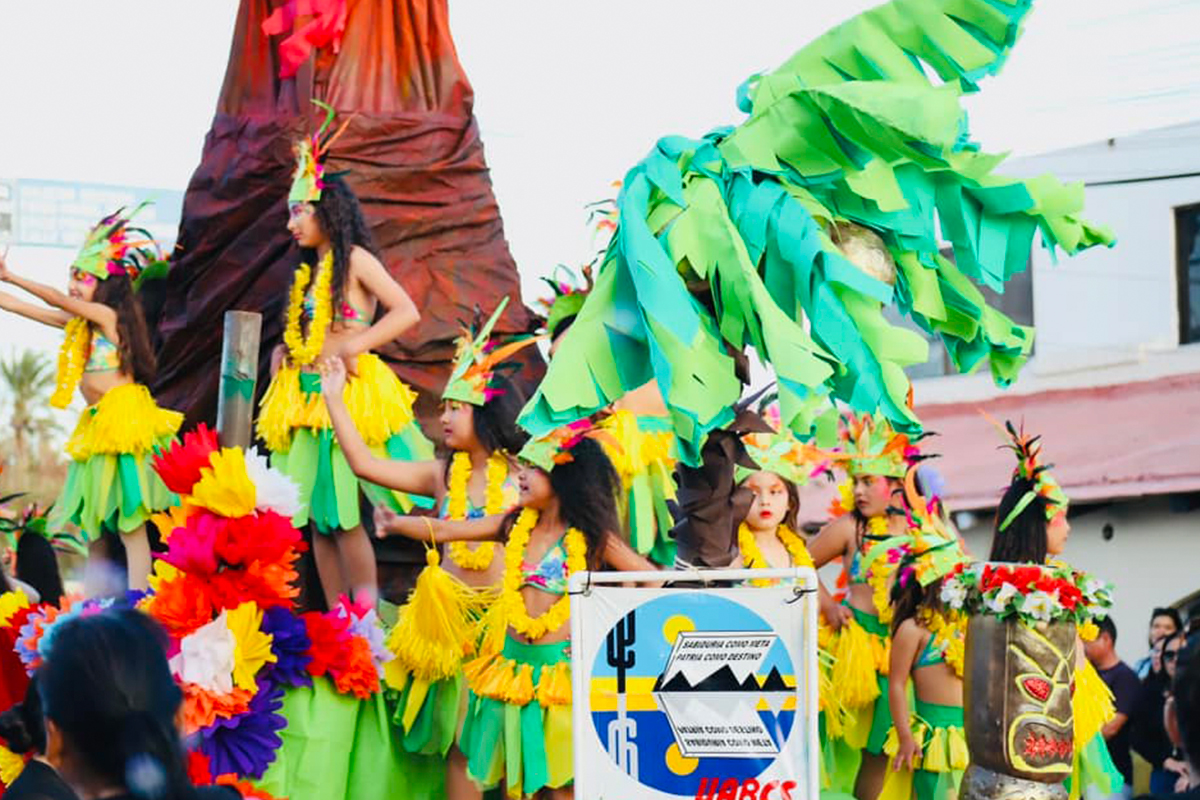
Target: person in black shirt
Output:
[(110, 705), (1182, 715), (1126, 688), (22, 730)]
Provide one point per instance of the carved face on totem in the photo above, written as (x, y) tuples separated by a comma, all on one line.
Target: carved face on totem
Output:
[(1038, 721)]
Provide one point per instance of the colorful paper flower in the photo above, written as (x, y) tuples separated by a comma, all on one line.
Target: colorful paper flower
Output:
[(275, 490), (246, 744), (329, 638), (266, 537), (224, 487), (206, 657), (290, 643), (181, 603), (180, 465), (202, 708), (194, 550), (253, 649), (357, 674)]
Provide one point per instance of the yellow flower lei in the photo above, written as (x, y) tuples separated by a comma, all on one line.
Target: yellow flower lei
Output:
[(510, 593), (949, 631), (71, 358), (753, 558), (456, 506), (304, 350), (880, 573)]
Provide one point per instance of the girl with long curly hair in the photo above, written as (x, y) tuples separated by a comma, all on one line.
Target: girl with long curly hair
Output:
[(107, 355), (566, 523), (331, 313), (476, 478)]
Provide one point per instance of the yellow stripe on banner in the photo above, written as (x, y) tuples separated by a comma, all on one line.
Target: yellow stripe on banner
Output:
[(639, 694)]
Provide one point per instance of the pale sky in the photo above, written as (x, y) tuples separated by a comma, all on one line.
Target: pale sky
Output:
[(569, 95)]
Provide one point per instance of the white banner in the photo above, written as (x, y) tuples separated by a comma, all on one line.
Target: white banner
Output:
[(695, 693)]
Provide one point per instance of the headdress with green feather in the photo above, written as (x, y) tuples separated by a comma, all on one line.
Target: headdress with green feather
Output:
[(1031, 469), (478, 360), (115, 247), (308, 176)]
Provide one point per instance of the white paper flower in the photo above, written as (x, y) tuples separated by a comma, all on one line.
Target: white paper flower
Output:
[(998, 602), (1040, 605), (206, 657), (274, 490), (954, 593)]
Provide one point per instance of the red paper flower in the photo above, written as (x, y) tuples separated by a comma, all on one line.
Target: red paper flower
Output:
[(266, 537), (198, 771), (179, 465), (330, 638)]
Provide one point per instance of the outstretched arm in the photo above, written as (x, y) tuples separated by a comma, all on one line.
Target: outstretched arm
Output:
[(53, 317), (401, 313), (97, 313), (389, 523), (413, 477)]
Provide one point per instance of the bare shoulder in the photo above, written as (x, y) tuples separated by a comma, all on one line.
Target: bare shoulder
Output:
[(363, 259)]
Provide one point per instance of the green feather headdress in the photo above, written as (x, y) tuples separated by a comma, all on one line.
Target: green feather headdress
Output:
[(1028, 450), (478, 360), (308, 177), (115, 247)]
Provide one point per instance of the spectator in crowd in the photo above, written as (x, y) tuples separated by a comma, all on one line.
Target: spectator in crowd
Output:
[(1163, 622), (110, 707), (1148, 736), (22, 729), (1182, 715), (1125, 686)]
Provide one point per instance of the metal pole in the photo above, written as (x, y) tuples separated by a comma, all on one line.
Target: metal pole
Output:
[(239, 374)]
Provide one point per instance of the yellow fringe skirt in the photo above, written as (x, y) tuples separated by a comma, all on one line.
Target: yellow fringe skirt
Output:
[(294, 423), (111, 482)]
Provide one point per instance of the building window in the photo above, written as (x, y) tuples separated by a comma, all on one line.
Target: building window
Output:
[(1016, 303), (1187, 265)]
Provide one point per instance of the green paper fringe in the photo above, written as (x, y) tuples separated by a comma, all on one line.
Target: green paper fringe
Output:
[(725, 241)]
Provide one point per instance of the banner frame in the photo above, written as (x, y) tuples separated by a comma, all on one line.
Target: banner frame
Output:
[(805, 587)]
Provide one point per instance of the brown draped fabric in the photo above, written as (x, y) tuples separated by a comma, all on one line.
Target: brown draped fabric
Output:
[(413, 156)]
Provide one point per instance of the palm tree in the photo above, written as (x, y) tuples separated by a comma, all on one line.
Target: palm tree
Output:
[(28, 377)]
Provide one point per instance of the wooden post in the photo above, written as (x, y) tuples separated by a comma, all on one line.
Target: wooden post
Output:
[(239, 374)]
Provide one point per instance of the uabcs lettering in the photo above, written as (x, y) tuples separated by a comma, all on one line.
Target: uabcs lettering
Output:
[(749, 789)]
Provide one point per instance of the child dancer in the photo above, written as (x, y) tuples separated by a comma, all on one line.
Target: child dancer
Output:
[(107, 355), (566, 523), (331, 313), (477, 480)]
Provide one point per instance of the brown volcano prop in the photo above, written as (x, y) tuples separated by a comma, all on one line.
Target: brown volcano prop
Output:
[(412, 154)]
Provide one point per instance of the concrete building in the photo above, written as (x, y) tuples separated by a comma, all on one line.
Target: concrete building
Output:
[(1114, 382)]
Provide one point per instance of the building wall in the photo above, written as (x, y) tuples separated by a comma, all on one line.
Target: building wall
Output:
[(1109, 305), (1152, 559)]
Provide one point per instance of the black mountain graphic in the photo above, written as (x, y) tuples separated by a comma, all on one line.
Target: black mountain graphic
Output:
[(774, 682), (723, 680)]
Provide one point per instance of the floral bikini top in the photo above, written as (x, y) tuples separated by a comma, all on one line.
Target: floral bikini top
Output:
[(348, 313), (549, 574), (104, 356)]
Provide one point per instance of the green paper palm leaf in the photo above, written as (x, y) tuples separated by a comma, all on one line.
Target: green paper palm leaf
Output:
[(725, 241)]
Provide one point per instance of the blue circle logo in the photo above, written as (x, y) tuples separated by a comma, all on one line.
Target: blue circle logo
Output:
[(691, 691)]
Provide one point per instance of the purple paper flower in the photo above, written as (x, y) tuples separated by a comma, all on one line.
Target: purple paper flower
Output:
[(290, 644), (246, 744)]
